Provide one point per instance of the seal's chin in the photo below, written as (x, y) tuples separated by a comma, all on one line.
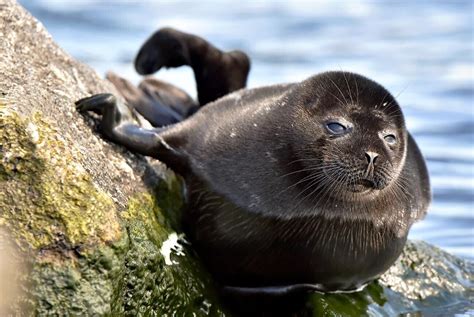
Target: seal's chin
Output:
[(363, 186)]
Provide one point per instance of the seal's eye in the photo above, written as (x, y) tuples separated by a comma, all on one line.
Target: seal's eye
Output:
[(390, 139), (336, 128)]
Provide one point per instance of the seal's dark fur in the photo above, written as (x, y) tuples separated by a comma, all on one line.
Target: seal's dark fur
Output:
[(276, 202)]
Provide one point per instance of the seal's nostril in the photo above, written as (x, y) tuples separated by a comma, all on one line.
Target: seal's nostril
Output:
[(371, 157)]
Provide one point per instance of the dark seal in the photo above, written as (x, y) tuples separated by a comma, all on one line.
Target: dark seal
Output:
[(310, 185)]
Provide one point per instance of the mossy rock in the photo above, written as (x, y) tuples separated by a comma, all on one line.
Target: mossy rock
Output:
[(86, 228), (84, 256)]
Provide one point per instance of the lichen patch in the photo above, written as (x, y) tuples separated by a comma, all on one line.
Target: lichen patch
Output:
[(45, 195)]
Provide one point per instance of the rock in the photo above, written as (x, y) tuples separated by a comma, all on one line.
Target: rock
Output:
[(88, 228), (84, 219)]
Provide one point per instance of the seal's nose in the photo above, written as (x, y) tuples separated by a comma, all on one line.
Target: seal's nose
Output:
[(371, 157)]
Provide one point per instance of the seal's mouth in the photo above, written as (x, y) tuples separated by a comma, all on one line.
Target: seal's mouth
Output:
[(363, 185)]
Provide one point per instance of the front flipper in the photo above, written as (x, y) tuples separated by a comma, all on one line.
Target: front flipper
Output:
[(95, 103), (118, 124)]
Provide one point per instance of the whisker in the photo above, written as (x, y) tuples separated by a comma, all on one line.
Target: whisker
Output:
[(357, 89), (337, 87), (343, 103), (347, 84), (303, 170)]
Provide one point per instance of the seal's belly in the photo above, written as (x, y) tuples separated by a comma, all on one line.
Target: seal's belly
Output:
[(249, 250), (256, 264)]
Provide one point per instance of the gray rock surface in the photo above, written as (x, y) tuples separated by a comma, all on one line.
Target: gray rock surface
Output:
[(37, 76)]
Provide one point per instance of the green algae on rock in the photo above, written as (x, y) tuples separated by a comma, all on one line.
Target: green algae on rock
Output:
[(173, 288), (86, 219), (56, 215), (39, 175), (87, 259)]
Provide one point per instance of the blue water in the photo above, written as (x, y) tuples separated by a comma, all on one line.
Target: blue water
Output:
[(421, 51)]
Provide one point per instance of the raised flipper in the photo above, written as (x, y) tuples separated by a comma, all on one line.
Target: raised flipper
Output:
[(152, 109), (217, 73), (119, 125), (169, 95)]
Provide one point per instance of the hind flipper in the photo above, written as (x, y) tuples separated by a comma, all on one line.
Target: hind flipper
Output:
[(152, 110), (169, 96), (217, 73)]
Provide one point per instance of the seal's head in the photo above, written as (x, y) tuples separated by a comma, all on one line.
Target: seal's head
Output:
[(354, 136)]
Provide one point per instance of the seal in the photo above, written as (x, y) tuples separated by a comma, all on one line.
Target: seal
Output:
[(294, 187)]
